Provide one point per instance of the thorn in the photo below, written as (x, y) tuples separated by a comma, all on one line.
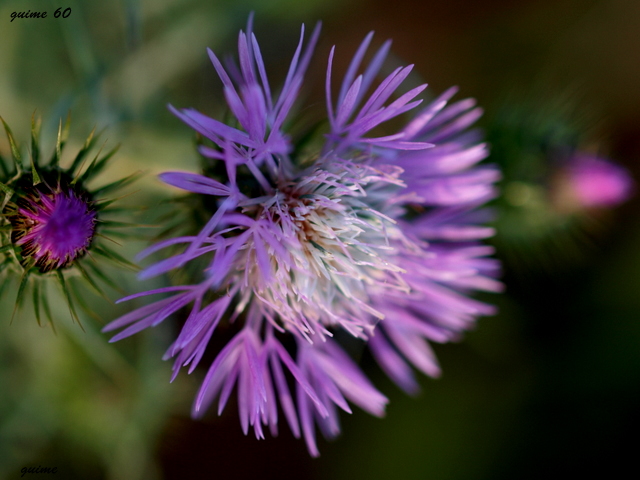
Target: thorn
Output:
[(98, 234)]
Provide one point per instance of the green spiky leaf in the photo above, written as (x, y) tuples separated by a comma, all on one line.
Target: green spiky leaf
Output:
[(114, 257), (88, 145), (6, 248), (95, 270), (63, 135), (8, 191), (97, 165), (34, 173), (19, 296), (79, 298), (90, 281), (46, 307), (110, 187), (15, 151), (116, 224), (36, 301), (3, 168), (35, 135), (67, 295)]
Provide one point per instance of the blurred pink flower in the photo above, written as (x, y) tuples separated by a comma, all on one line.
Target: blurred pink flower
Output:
[(589, 181)]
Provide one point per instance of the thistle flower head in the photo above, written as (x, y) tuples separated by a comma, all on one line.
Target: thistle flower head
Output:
[(53, 226), (372, 235), (52, 219)]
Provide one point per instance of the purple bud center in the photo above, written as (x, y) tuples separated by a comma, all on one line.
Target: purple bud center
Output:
[(53, 228)]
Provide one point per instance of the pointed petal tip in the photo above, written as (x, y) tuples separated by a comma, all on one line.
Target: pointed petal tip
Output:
[(107, 328)]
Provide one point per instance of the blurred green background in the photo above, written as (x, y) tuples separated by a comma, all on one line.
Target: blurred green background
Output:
[(549, 388)]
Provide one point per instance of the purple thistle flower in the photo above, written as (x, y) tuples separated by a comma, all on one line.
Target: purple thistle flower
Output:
[(374, 235), (53, 226)]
